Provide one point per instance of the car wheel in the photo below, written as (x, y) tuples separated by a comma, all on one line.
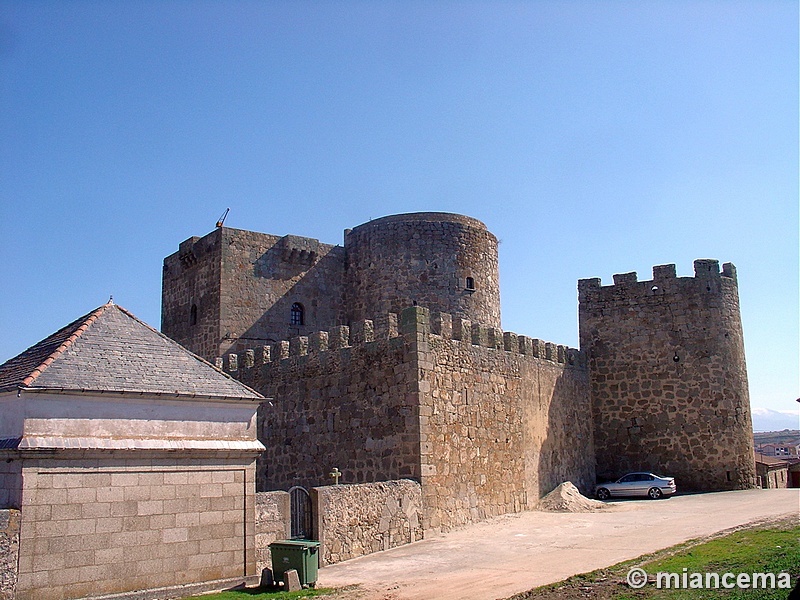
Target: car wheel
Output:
[(654, 493), (603, 494)]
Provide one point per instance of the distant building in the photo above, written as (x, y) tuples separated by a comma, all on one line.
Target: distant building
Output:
[(772, 472), (778, 450)]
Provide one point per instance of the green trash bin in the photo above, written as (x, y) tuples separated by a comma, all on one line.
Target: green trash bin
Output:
[(300, 555)]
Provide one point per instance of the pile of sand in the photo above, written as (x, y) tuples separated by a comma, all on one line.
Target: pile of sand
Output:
[(567, 498)]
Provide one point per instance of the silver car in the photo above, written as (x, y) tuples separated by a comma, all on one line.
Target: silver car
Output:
[(637, 484)]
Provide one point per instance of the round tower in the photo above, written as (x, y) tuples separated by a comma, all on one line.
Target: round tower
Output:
[(444, 262), (668, 376)]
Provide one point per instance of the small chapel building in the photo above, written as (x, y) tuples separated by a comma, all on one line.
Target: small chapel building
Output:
[(131, 461)]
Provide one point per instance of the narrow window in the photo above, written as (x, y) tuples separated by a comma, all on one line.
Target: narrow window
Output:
[(470, 284), (193, 315), (296, 316)]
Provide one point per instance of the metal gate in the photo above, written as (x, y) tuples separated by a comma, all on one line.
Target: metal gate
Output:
[(301, 513)]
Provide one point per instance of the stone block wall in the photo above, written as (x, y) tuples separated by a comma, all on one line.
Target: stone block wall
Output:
[(273, 523), (99, 525), (669, 381), (772, 477), (504, 420), (340, 399), (423, 259), (9, 552), (243, 285), (191, 278), (487, 421), (355, 520)]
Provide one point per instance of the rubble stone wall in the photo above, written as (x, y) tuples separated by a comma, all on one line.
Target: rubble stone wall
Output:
[(9, 552), (10, 482), (504, 420), (487, 421), (273, 523), (191, 278), (339, 399), (423, 259), (244, 284), (355, 520), (669, 381)]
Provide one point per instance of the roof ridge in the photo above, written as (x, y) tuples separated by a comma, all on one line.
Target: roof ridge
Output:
[(91, 318)]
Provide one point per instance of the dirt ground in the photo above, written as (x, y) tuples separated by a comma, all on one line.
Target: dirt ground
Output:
[(508, 556), (606, 584)]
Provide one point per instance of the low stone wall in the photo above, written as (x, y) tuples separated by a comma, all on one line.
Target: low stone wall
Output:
[(273, 522), (355, 520), (9, 552)]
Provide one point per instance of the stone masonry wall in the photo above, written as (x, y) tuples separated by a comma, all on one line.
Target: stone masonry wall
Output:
[(273, 523), (423, 259), (9, 552), (103, 525), (355, 520), (487, 421), (243, 285), (262, 276), (191, 277), (335, 399), (504, 420), (10, 482), (669, 382)]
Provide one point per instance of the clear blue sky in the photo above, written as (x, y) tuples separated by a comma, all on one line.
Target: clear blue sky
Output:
[(592, 138)]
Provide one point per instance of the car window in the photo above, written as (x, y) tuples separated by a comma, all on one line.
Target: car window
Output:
[(628, 478), (650, 478)]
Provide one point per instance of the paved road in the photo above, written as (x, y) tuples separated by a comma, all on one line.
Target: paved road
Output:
[(515, 553)]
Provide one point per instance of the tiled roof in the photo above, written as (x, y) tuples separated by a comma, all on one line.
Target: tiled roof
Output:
[(770, 461), (110, 350)]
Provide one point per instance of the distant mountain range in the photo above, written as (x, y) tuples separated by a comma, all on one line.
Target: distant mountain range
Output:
[(766, 419)]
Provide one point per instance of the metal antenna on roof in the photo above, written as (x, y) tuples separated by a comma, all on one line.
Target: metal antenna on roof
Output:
[(222, 218)]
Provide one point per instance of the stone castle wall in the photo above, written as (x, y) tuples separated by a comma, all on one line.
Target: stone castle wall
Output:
[(243, 285), (504, 420), (423, 259), (487, 421), (342, 395), (669, 382), (191, 278), (9, 552)]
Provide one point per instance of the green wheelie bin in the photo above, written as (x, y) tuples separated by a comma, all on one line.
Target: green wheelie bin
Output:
[(300, 555)]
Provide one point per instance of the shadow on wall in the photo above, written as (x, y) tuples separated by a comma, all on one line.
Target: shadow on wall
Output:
[(317, 290), (567, 451)]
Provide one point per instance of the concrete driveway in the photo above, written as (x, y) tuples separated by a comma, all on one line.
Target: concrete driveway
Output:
[(514, 553)]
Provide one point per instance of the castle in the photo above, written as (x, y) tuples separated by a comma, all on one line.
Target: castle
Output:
[(384, 358)]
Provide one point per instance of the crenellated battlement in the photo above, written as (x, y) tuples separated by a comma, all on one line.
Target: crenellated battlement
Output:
[(390, 326), (336, 338), (449, 327), (706, 272)]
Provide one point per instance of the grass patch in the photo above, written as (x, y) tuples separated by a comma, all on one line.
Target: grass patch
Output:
[(767, 548), (263, 594)]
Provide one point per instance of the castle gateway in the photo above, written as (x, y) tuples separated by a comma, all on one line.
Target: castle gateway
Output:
[(385, 358)]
